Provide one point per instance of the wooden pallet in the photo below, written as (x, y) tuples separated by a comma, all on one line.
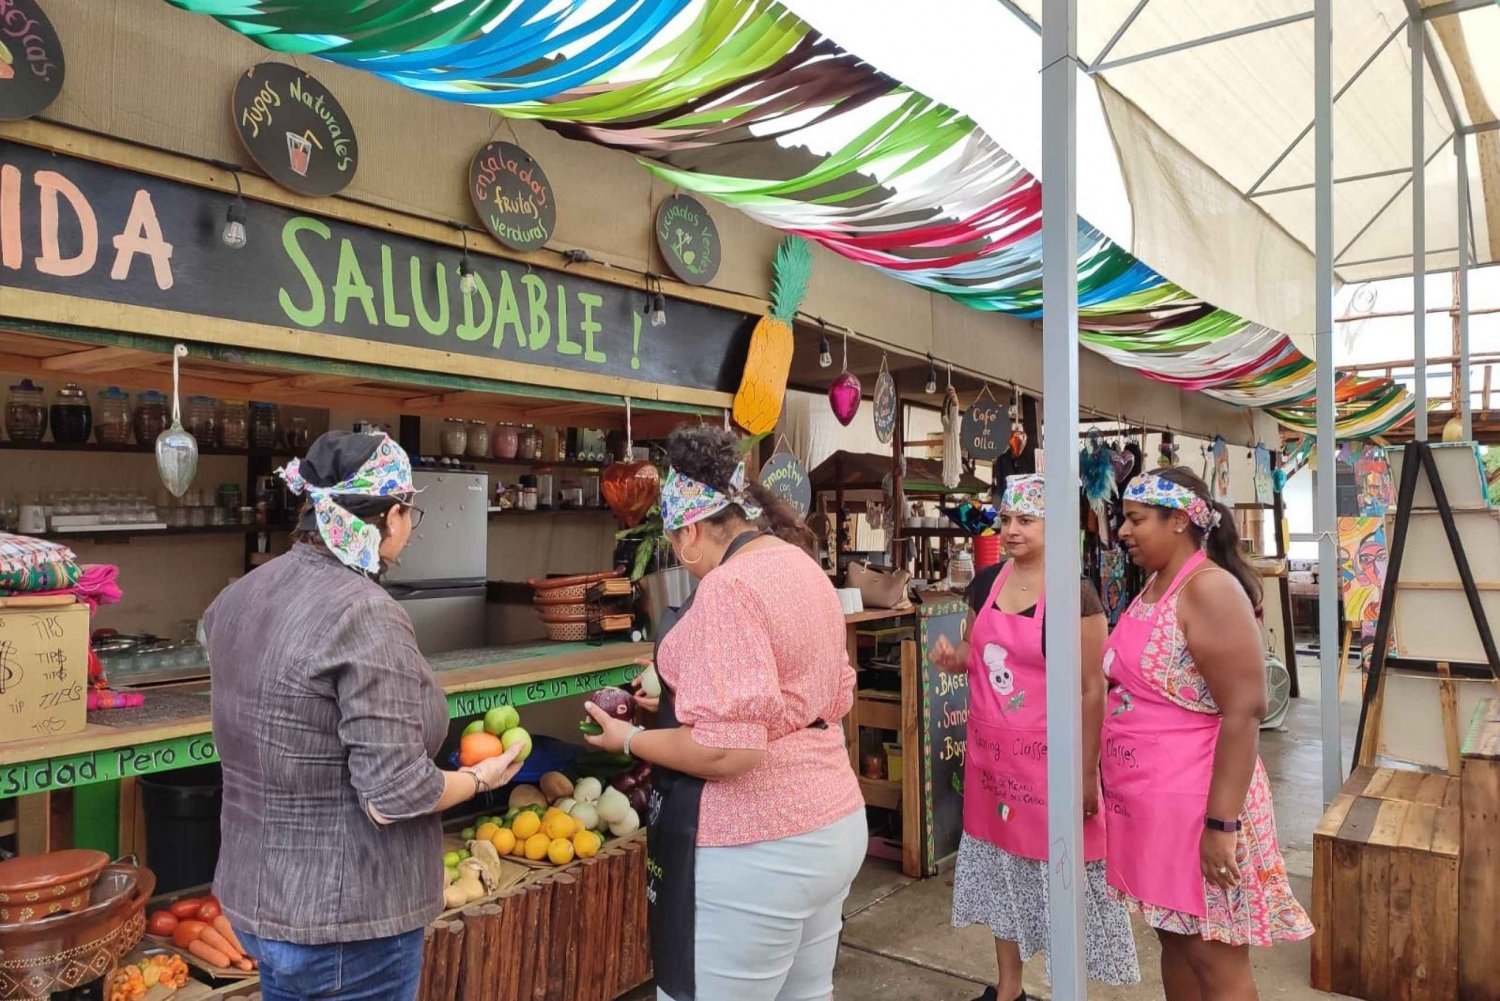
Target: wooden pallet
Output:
[(1386, 887)]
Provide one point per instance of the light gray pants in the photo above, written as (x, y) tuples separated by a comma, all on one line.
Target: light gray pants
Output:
[(769, 914)]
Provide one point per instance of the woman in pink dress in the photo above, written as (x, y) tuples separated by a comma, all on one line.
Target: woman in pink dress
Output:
[(1192, 840)]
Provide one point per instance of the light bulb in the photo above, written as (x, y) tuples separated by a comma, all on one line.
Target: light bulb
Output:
[(466, 280), (234, 226), (658, 310), (825, 356), (931, 386)]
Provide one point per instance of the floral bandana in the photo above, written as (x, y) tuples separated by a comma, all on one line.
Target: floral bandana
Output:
[(684, 500), (1023, 496), (354, 541), (1158, 491)]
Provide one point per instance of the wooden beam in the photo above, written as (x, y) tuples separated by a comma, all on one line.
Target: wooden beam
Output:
[(309, 381), (97, 359)]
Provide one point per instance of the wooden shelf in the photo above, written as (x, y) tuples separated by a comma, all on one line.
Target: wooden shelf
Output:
[(884, 793), (498, 515), (526, 463), (93, 446), (946, 532), (877, 614), (105, 535)]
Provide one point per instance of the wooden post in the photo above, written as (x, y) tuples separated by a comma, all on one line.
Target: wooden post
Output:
[(840, 532), (1344, 654), (898, 480), (1448, 699), (560, 947), (1479, 858), (620, 921), (911, 760)]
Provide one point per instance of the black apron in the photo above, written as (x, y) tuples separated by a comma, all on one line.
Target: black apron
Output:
[(672, 845)]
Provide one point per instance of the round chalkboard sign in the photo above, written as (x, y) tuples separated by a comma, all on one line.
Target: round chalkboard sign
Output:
[(688, 239), (511, 193), (786, 477), (885, 405), (31, 60), (986, 427), (295, 130)]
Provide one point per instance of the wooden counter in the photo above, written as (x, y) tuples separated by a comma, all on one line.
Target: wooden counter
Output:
[(474, 680)]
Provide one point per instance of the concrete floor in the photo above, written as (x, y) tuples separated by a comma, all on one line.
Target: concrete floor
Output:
[(898, 945)]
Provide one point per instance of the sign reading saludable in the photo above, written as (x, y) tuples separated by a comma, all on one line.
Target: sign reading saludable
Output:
[(295, 130), (31, 60), (511, 193)]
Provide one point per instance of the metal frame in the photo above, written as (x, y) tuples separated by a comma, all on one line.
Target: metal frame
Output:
[(1465, 391), (1417, 33), (1065, 872), (1389, 202), (1222, 36)]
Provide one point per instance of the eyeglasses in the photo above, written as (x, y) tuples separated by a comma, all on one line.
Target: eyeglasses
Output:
[(417, 514)]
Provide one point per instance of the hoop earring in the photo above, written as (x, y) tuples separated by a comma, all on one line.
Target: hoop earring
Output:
[(681, 558)]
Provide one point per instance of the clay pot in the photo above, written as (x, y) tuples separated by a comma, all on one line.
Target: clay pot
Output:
[(38, 886)]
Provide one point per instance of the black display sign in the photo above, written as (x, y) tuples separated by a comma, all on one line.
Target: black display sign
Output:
[(945, 728), (31, 60), (97, 232), (295, 130), (986, 428), (511, 193), (688, 239), (786, 477)]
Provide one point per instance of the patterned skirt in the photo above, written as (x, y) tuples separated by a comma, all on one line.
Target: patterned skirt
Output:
[(1261, 911), (1008, 894)]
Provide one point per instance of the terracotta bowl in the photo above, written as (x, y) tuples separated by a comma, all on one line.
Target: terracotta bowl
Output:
[(64, 951), (38, 886), (569, 589), (566, 632)]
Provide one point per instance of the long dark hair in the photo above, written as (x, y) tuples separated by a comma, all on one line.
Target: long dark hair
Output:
[(711, 455), (1222, 542)]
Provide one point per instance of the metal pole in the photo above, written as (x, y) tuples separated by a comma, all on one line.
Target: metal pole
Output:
[(1325, 511), (1465, 392), (1415, 33), (1064, 556)]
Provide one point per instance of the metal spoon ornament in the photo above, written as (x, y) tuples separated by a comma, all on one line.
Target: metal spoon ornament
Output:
[(176, 450)]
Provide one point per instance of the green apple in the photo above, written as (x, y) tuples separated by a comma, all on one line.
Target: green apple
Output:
[(516, 735), (467, 834), (475, 727), (500, 719), (452, 859)]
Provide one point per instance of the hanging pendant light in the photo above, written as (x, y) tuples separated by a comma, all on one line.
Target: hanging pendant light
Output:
[(234, 235), (825, 356), (176, 450), (931, 386)]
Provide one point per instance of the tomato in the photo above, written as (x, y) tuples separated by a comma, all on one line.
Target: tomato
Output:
[(187, 908), (162, 923), (208, 910), (187, 933)]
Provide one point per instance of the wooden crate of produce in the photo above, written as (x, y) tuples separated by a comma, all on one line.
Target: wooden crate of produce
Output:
[(1385, 888), (1479, 858)]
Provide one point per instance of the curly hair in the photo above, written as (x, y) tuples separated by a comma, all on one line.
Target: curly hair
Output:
[(711, 455)]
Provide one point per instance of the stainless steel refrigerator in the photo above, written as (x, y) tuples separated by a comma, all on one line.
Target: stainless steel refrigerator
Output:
[(440, 580)]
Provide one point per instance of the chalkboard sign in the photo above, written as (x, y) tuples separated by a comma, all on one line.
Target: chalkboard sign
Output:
[(511, 193), (688, 239), (295, 130), (945, 718), (786, 477), (31, 60), (146, 242), (986, 428)]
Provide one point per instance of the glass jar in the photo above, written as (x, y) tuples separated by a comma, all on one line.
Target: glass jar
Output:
[(71, 416), (298, 437), (151, 417), (26, 413), (529, 448), (264, 421), (504, 441), (454, 438), (199, 419), (478, 446), (232, 424), (113, 425)]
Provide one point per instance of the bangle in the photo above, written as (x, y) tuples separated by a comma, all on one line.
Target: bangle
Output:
[(479, 785), (631, 736)]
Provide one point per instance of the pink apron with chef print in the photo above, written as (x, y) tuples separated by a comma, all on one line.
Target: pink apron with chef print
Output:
[(1158, 762), (1005, 764)]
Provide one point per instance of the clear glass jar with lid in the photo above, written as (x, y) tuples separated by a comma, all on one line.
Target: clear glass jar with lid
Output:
[(505, 440), (454, 438), (232, 424), (265, 419), (26, 413), (478, 445), (199, 419), (113, 424), (151, 417), (530, 447), (71, 415)]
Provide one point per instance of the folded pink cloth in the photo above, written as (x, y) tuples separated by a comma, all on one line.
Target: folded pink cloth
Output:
[(97, 586)]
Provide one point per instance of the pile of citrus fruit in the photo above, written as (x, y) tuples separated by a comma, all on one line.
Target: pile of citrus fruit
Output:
[(539, 835)]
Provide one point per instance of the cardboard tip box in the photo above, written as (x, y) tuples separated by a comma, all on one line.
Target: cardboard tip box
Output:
[(44, 668)]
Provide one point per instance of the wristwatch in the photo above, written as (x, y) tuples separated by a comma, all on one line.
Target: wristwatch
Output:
[(1215, 824)]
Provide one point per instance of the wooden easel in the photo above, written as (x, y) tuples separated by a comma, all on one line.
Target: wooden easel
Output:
[(1418, 458)]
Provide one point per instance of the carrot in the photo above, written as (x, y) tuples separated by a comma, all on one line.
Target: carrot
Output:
[(244, 964), (209, 954), (212, 938), (221, 924)]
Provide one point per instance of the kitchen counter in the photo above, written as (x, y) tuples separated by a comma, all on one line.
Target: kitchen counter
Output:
[(474, 680)]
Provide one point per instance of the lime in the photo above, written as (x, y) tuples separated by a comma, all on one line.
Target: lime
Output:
[(477, 726), (452, 859)]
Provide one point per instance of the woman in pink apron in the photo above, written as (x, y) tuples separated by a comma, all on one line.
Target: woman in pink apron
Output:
[(1001, 881), (1192, 841)]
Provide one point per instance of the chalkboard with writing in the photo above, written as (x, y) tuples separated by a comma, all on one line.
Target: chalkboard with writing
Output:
[(986, 428), (131, 240), (786, 477), (511, 193), (945, 717), (688, 239), (31, 60), (295, 129)]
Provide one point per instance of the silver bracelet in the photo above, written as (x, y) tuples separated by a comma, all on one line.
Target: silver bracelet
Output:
[(479, 783), (631, 736)]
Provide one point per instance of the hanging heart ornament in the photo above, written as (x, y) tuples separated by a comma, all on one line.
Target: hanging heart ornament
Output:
[(630, 488)]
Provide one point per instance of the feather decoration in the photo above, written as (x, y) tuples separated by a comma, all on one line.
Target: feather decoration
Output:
[(792, 268), (1097, 469)]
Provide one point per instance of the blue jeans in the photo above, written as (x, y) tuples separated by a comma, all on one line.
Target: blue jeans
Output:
[(377, 969)]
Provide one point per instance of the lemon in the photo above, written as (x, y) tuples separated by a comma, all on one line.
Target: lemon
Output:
[(587, 844), (560, 851), (519, 851), (560, 826), (504, 841), (525, 825), (537, 846), (486, 832)]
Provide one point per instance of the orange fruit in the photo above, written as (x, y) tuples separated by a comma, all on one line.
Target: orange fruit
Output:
[(504, 841), (525, 825), (476, 747), (586, 844), (560, 826), (537, 846), (486, 832), (560, 851), (519, 851)]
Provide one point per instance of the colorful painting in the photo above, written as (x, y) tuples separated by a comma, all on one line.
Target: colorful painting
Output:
[(1265, 483), (1112, 583), (1372, 480), (1363, 557), (1220, 482)]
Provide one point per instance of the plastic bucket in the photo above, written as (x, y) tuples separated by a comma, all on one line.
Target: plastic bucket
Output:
[(182, 825), (986, 551)]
